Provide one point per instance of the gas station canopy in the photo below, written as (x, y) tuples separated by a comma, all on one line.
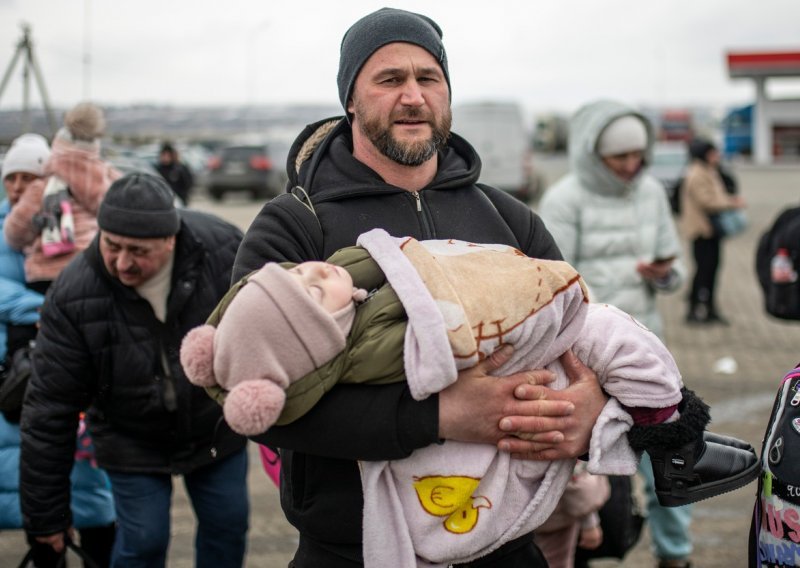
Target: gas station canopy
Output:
[(775, 122), (764, 64)]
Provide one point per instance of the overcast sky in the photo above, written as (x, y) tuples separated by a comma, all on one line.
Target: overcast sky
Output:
[(552, 55)]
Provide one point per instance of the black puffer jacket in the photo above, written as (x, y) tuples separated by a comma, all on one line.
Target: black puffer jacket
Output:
[(179, 177), (100, 347), (320, 488)]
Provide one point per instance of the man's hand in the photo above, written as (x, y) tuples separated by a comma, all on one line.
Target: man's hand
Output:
[(470, 410), (56, 540), (548, 434)]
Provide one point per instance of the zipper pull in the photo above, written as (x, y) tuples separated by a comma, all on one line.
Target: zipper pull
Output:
[(796, 398), (419, 201)]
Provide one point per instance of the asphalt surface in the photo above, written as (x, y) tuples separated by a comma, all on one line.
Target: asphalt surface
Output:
[(763, 349)]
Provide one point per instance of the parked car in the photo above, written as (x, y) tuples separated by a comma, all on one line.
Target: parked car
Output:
[(131, 164), (669, 163), (496, 130), (254, 168), (550, 133), (670, 159), (676, 125)]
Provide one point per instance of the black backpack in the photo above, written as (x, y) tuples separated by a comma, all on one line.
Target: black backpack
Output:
[(674, 195), (674, 189), (777, 503), (14, 375), (780, 300), (621, 519)]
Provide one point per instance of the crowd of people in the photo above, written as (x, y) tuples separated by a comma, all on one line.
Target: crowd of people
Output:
[(366, 374)]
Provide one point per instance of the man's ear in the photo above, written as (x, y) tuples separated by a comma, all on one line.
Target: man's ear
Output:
[(171, 243)]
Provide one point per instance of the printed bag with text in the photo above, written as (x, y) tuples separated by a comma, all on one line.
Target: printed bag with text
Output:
[(775, 527)]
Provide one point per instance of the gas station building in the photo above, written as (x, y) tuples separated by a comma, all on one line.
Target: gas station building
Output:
[(776, 122)]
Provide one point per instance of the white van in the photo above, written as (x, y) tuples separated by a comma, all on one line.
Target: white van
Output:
[(497, 132)]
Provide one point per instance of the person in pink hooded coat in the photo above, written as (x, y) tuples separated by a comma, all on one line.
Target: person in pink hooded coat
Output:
[(75, 160)]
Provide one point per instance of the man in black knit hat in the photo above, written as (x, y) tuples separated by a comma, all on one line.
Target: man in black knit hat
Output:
[(109, 339), (393, 163)]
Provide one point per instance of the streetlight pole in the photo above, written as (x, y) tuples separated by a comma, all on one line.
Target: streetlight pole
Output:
[(251, 70), (87, 49)]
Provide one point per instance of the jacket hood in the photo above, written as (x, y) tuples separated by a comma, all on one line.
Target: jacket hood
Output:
[(584, 131), (321, 162)]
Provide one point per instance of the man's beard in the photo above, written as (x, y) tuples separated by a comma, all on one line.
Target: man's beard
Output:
[(405, 153)]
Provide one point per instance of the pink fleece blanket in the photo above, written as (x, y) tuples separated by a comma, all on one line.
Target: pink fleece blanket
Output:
[(456, 502)]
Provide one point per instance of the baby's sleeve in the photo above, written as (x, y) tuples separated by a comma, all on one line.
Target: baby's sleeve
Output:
[(631, 362)]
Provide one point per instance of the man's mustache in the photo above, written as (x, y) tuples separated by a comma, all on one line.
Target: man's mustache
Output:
[(413, 114)]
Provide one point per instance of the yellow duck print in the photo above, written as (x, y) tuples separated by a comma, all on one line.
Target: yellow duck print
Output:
[(451, 497)]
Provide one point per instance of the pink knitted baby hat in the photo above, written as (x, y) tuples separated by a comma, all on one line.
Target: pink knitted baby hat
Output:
[(270, 335)]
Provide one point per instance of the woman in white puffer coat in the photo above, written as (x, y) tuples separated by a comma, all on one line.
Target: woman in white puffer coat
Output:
[(612, 221), (615, 225)]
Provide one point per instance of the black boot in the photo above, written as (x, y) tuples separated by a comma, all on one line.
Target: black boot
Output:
[(692, 318), (714, 317), (720, 439), (697, 314), (690, 464), (701, 470)]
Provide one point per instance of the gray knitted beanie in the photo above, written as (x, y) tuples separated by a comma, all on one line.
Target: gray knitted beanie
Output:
[(373, 31), (140, 206)]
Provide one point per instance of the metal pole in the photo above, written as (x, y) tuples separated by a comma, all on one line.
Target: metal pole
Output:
[(251, 72), (25, 50), (762, 130), (9, 69), (26, 86), (51, 119), (87, 50)]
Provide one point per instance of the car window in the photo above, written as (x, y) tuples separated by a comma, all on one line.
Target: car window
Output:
[(669, 159), (241, 152)]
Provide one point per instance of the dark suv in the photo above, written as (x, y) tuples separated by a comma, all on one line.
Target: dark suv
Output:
[(253, 168)]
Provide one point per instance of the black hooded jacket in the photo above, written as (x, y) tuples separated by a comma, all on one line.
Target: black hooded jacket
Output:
[(320, 487), (101, 347)]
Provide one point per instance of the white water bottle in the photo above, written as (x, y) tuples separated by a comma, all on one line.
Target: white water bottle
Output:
[(782, 268)]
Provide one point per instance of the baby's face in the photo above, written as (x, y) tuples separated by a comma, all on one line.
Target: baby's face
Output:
[(328, 285)]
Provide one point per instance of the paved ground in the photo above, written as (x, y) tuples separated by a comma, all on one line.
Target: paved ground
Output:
[(762, 348)]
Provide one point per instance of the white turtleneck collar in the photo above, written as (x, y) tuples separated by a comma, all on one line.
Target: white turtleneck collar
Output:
[(156, 289)]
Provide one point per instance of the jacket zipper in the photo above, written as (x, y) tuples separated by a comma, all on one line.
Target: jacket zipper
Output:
[(426, 229), (771, 454), (170, 394), (213, 449)]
